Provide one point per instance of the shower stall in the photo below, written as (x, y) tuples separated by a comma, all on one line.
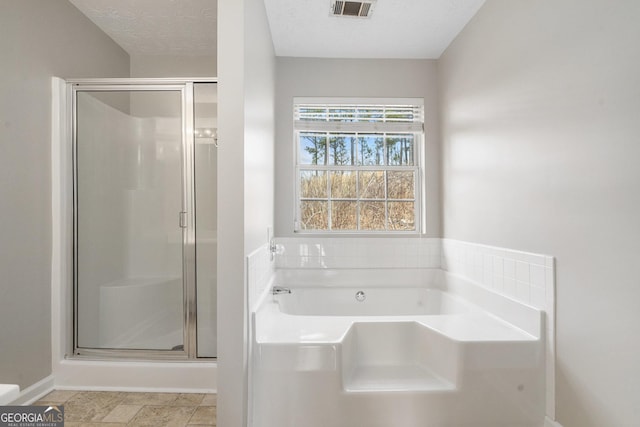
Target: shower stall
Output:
[(144, 218)]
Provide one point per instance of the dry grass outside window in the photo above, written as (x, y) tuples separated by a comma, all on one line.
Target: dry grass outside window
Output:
[(372, 216), (400, 184), (343, 185), (314, 215), (344, 216)]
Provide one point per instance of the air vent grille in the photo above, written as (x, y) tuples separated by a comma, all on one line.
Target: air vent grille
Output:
[(359, 9)]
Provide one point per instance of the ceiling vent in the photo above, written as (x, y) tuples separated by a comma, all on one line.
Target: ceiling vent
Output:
[(358, 9)]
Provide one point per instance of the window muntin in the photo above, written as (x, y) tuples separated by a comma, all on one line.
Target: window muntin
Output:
[(358, 167)]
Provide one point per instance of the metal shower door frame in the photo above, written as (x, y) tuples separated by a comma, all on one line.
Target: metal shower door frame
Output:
[(187, 214)]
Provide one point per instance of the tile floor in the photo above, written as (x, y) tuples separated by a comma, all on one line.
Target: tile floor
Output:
[(115, 409)]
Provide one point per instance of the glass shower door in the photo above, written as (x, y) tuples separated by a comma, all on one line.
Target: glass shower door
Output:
[(130, 218)]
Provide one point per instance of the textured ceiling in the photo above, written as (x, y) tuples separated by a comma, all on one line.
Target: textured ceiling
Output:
[(156, 27), (396, 28), (300, 28)]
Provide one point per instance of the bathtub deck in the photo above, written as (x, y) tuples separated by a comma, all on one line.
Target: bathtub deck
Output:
[(275, 327)]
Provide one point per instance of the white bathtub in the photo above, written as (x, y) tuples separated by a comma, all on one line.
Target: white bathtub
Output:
[(8, 393), (404, 355), (361, 301)]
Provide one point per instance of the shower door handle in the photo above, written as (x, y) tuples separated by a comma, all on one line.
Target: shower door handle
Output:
[(182, 219)]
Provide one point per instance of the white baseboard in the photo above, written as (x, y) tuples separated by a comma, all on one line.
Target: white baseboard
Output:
[(548, 422), (48, 384), (35, 391), (137, 389)]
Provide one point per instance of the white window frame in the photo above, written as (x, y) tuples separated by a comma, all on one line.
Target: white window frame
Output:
[(415, 128)]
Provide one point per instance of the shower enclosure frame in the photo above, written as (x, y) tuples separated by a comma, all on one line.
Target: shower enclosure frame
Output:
[(186, 217)]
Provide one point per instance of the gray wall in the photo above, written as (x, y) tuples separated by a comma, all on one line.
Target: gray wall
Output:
[(173, 66), (541, 124), (40, 39), (393, 78)]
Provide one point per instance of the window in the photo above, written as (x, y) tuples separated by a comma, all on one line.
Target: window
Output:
[(358, 167)]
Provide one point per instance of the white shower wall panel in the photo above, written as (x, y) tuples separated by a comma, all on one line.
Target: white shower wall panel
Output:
[(152, 199)]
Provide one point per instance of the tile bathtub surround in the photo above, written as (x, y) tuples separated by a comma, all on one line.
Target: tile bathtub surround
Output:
[(526, 277), (110, 408), (357, 252), (260, 270), (523, 276)]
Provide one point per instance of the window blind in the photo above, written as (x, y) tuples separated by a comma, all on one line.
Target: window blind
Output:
[(359, 117)]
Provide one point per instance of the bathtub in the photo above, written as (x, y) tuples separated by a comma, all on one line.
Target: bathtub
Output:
[(378, 301), (8, 393), (378, 355)]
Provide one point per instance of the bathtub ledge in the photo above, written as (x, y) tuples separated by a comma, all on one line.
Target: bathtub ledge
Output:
[(274, 327), (8, 393)]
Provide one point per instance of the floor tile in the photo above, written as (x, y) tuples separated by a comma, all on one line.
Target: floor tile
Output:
[(210, 400), (119, 409), (46, 403), (122, 413), (91, 405), (99, 424), (169, 416), (149, 398), (59, 396), (188, 399), (204, 415)]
